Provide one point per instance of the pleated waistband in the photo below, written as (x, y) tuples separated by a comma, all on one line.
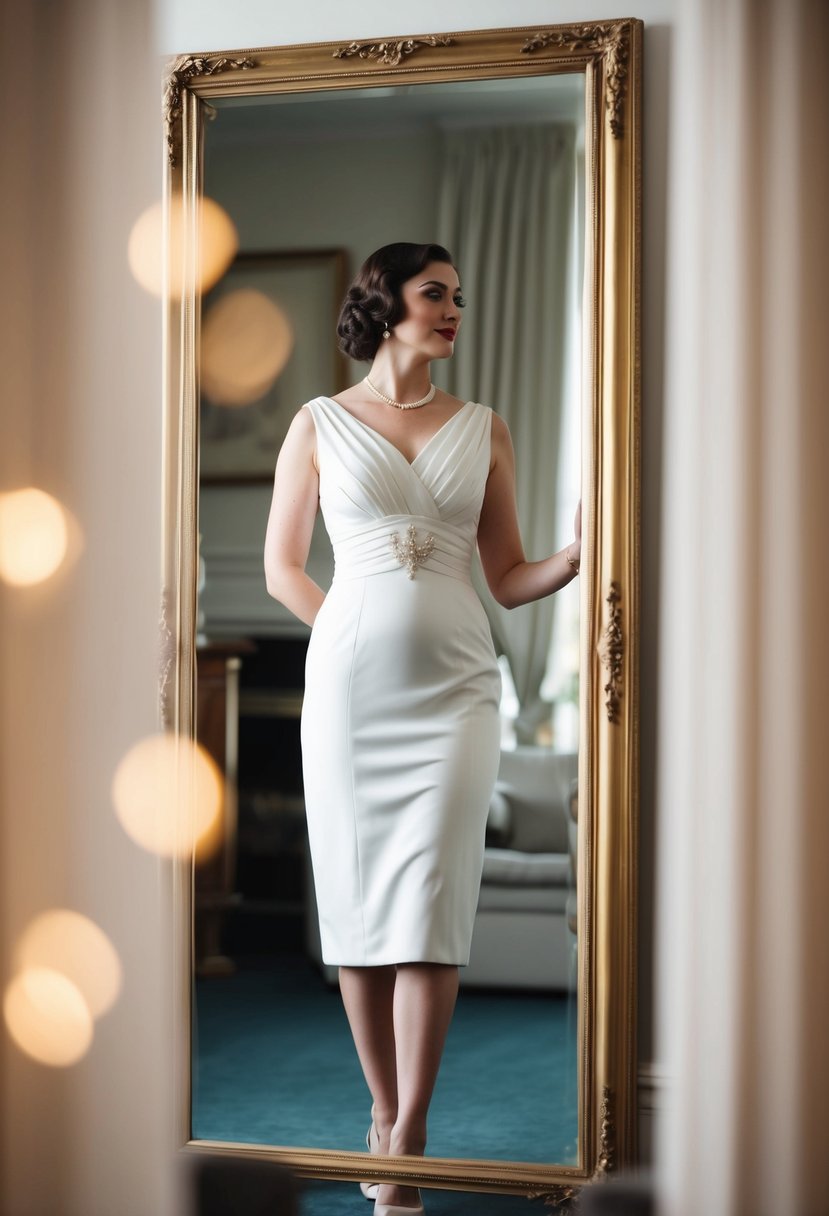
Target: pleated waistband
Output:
[(408, 543)]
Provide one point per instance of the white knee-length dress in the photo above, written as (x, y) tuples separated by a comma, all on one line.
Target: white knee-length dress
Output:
[(400, 720)]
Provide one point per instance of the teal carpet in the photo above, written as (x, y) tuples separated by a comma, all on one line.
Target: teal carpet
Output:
[(274, 1063)]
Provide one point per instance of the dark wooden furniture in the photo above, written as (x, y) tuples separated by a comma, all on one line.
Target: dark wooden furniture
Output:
[(217, 730)]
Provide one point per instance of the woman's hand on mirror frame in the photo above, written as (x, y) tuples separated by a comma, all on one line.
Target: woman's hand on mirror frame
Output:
[(574, 548)]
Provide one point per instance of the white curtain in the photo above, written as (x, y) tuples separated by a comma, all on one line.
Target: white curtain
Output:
[(743, 783), (507, 215)]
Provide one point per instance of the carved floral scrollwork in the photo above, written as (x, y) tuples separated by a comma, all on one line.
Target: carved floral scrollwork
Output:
[(557, 1197), (183, 71), (166, 659), (612, 652), (612, 42), (606, 1135), (390, 53)]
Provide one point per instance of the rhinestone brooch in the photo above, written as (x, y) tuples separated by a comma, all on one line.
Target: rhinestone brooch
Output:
[(408, 552)]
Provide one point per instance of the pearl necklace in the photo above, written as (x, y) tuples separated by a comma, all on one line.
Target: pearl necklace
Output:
[(403, 405)]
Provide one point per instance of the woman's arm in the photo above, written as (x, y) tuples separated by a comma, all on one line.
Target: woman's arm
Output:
[(511, 578), (291, 522)]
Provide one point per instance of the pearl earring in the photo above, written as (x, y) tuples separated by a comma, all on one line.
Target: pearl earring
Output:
[(386, 331)]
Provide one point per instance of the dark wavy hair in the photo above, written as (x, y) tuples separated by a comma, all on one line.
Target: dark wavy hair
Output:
[(373, 300)]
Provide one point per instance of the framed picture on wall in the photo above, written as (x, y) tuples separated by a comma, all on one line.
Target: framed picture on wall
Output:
[(268, 344)]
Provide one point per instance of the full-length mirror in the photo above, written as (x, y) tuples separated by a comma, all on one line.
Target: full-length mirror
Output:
[(502, 169), (493, 171)]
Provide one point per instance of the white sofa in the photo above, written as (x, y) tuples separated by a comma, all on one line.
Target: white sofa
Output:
[(524, 934), (525, 925)]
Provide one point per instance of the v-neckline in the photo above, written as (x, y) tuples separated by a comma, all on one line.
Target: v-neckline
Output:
[(379, 435)]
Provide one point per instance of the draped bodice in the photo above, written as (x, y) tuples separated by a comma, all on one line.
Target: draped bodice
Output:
[(382, 511)]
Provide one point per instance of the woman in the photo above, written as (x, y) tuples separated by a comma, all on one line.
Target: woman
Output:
[(400, 720)]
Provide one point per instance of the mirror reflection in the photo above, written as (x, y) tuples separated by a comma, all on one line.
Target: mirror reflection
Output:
[(492, 173)]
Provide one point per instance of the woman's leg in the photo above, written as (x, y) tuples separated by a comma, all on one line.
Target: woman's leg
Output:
[(368, 996), (424, 1000)]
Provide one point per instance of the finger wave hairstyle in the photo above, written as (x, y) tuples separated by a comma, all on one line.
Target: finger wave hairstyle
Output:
[(374, 298)]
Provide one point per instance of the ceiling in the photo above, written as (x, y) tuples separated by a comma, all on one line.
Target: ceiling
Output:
[(335, 113)]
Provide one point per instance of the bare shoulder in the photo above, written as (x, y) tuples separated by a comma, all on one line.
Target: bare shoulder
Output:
[(301, 429), (500, 431), (300, 440), (501, 452)]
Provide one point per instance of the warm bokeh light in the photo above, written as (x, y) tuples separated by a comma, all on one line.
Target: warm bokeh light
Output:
[(66, 941), (217, 237), (33, 536), (168, 796), (47, 1016), (246, 341)]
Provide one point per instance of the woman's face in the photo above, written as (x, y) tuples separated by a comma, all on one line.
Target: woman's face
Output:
[(431, 316)]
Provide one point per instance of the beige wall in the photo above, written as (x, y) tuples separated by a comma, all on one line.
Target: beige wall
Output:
[(387, 187), (80, 346)]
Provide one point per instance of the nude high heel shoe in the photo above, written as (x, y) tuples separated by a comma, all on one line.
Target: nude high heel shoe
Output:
[(370, 1189)]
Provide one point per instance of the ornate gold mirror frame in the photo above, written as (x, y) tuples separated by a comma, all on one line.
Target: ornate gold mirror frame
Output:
[(609, 54)]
